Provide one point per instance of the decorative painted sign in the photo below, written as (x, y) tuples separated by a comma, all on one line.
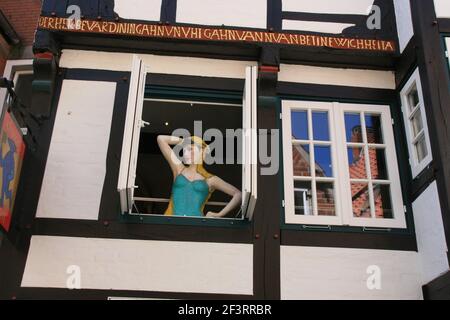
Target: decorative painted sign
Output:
[(148, 30), (12, 151)]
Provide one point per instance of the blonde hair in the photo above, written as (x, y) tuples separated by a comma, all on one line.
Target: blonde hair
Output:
[(200, 169)]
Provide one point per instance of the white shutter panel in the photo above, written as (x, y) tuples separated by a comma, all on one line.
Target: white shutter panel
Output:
[(249, 143), (133, 124), (447, 42)]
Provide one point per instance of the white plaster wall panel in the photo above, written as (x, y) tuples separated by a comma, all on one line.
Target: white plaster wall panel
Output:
[(149, 10), (337, 273), (158, 64), (113, 61), (314, 26), (249, 13), (227, 69), (337, 76), (430, 234), (76, 164), (327, 6), (167, 266), (442, 8), (404, 22)]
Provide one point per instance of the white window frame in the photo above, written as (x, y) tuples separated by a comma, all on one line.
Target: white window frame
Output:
[(414, 82), (134, 123), (131, 136), (249, 143), (291, 218), (340, 165)]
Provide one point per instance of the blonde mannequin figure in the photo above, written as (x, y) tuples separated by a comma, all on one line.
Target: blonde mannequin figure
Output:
[(192, 184)]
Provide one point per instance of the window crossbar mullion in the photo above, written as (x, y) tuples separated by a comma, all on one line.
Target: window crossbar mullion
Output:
[(419, 136), (414, 112)]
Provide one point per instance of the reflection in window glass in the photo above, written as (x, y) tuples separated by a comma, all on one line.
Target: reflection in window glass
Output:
[(299, 125), (421, 148), (416, 123), (324, 166), (360, 200), (378, 166), (303, 198), (413, 99), (301, 160), (373, 129), (357, 163), (383, 204), (320, 126), (353, 127), (326, 199)]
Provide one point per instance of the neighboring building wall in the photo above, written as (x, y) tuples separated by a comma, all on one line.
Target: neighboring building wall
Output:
[(23, 16)]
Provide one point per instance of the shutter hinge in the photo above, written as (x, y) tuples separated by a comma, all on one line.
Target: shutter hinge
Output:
[(143, 123), (393, 121), (283, 204), (405, 209), (281, 116)]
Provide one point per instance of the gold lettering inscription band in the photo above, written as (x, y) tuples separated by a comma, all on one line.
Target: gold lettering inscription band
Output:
[(212, 34)]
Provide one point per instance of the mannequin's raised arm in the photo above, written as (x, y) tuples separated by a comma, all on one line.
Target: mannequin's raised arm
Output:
[(165, 143)]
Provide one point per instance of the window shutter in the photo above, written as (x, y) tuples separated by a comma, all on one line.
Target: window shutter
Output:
[(249, 143), (133, 124)]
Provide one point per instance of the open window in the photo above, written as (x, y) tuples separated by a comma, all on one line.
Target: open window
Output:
[(145, 179), (415, 119), (340, 165)]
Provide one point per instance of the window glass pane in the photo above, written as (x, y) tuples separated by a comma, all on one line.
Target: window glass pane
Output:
[(421, 149), (378, 166), (413, 99), (321, 126), (356, 162), (417, 123), (383, 204), (301, 160), (303, 198), (360, 200), (22, 87), (353, 127), (373, 129), (324, 167), (299, 125), (326, 199)]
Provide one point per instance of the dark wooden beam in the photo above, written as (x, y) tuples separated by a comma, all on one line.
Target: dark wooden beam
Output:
[(444, 25), (438, 289)]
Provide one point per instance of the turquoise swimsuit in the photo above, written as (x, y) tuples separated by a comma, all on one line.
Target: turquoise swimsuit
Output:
[(189, 196)]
